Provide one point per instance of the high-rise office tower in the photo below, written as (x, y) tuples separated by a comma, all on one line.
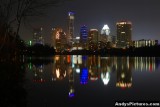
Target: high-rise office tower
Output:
[(38, 36), (56, 38), (124, 34), (70, 35), (105, 30), (93, 38), (105, 34), (59, 39), (83, 36)]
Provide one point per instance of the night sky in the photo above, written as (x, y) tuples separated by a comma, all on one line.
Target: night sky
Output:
[(144, 15)]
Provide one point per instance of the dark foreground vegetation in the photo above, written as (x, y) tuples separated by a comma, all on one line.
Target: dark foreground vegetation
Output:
[(39, 50), (15, 48), (13, 15)]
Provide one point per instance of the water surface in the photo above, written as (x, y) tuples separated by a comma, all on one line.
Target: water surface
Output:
[(76, 80)]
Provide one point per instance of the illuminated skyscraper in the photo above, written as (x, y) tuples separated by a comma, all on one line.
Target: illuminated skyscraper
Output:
[(70, 35), (59, 39), (124, 36), (38, 36), (105, 34), (93, 38), (105, 30), (83, 36), (56, 41)]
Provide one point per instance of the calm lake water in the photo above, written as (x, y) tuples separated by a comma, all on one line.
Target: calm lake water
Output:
[(81, 81)]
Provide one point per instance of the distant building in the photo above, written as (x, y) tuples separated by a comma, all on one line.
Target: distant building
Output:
[(59, 39), (145, 43), (105, 34), (84, 36), (114, 41), (38, 36), (76, 44), (105, 30), (124, 34), (56, 42), (70, 34), (105, 37), (93, 38), (63, 41)]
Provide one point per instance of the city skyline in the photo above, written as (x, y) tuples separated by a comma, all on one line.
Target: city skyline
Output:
[(143, 15)]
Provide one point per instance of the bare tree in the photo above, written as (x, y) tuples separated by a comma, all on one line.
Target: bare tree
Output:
[(14, 12)]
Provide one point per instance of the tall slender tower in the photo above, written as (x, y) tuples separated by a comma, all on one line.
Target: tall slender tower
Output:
[(70, 28), (124, 37)]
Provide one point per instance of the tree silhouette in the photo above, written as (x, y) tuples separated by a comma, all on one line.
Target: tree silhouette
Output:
[(14, 12)]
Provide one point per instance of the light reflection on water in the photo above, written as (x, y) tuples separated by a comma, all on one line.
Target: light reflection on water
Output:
[(92, 68), (78, 71)]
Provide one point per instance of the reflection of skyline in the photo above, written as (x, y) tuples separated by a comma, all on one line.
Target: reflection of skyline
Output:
[(93, 68), (124, 74), (59, 68), (144, 63), (38, 73)]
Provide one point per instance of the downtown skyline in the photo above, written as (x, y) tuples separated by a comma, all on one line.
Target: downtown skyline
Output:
[(94, 14)]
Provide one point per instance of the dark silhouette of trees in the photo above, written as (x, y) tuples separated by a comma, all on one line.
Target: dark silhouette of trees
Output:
[(13, 13), (39, 50)]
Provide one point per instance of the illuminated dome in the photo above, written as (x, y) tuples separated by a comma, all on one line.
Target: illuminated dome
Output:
[(105, 30)]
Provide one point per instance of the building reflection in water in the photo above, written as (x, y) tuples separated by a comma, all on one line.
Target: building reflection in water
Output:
[(59, 68), (105, 68), (38, 70), (84, 76), (76, 63), (93, 68), (84, 71), (144, 63), (71, 77), (63, 67), (124, 74)]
